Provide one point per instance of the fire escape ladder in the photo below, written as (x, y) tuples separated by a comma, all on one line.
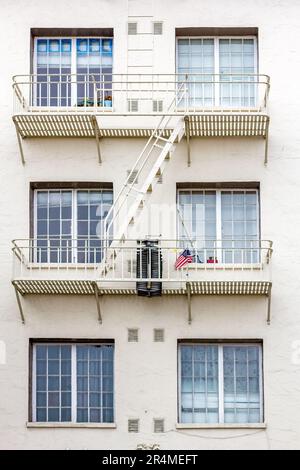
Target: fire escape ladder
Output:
[(141, 180)]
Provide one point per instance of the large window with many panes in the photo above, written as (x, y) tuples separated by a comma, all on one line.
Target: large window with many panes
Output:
[(220, 383), (220, 226), (68, 224), (73, 71), (220, 71), (73, 382)]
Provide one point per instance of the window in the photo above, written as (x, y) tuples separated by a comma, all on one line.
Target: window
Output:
[(73, 383), (220, 70), (220, 225), (67, 224), (67, 70), (220, 383)]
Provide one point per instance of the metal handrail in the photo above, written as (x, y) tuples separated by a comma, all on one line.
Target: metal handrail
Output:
[(33, 261), (119, 85)]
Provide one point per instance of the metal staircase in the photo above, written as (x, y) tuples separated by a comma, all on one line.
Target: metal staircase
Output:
[(141, 180)]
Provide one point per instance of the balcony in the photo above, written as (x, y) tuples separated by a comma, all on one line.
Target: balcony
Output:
[(145, 268), (212, 105)]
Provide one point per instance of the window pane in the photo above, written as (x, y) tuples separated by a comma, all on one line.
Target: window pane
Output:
[(199, 384), (237, 66), (53, 66), (59, 239), (197, 222), (240, 232), (94, 383), (241, 384), (196, 58), (50, 382)]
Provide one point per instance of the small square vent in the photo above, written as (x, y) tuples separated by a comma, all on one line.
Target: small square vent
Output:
[(158, 335), (133, 106), (132, 28), (133, 335), (159, 425), (133, 176), (157, 106), (157, 28), (133, 425)]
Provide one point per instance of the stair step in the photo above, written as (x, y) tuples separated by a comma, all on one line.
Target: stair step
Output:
[(159, 146), (161, 138)]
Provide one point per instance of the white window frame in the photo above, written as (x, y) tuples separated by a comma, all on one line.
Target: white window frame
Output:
[(220, 347), (73, 59), (219, 192), (73, 379), (74, 226), (216, 40)]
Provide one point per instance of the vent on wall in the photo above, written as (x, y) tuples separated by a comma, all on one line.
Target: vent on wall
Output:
[(159, 425), (158, 335), (133, 106), (133, 176), (133, 425), (157, 28), (157, 106), (133, 335), (132, 28)]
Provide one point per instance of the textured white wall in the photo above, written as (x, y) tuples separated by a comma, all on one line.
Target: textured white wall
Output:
[(145, 373)]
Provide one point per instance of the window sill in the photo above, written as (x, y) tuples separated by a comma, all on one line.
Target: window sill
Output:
[(226, 267), (71, 425), (221, 426)]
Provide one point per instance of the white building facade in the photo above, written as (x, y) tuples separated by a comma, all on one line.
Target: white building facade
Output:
[(149, 158)]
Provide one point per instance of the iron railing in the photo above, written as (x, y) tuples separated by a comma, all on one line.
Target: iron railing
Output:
[(92, 259)]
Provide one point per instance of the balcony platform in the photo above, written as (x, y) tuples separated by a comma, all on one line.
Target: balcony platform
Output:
[(87, 287), (30, 125), (141, 99), (90, 287), (252, 124)]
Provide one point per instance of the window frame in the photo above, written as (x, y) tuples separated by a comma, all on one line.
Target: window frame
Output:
[(73, 67), (216, 40), (221, 404), (32, 377), (74, 196)]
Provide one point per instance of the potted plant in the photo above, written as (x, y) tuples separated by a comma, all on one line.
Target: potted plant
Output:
[(108, 101), (212, 259)]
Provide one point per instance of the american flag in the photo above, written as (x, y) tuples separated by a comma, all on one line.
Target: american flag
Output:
[(184, 258)]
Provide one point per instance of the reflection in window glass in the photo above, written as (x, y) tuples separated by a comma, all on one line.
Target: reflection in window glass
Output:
[(220, 383), (61, 396)]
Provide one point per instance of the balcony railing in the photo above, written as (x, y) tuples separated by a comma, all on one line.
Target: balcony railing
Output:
[(132, 261), (135, 94)]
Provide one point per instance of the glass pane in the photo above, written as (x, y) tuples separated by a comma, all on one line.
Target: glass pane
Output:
[(242, 393), (197, 222), (196, 59), (94, 70), (240, 226), (53, 66), (94, 383), (237, 66), (50, 383)]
